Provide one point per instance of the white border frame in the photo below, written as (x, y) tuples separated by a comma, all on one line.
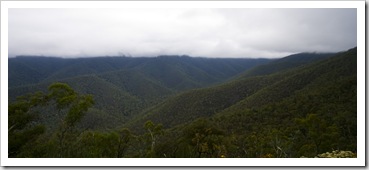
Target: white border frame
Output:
[(359, 161)]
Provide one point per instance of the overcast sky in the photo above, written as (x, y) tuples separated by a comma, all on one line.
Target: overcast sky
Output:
[(195, 32)]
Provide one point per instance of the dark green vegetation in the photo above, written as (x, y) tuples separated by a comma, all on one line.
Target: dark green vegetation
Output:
[(122, 86), (300, 105)]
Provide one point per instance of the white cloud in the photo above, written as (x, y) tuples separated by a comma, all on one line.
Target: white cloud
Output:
[(195, 32)]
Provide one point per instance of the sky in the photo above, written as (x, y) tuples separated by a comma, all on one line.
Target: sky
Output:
[(197, 32)]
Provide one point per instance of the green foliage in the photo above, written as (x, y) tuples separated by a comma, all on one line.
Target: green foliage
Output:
[(97, 145), (299, 109), (17, 140), (153, 132), (122, 86), (21, 115), (22, 127), (77, 111), (316, 130), (125, 137), (290, 114), (62, 93), (66, 98), (205, 139), (193, 104)]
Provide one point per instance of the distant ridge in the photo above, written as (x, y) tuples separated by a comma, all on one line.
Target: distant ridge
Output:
[(123, 86)]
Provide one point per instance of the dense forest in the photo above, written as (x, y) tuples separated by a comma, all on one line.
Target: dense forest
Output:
[(303, 105)]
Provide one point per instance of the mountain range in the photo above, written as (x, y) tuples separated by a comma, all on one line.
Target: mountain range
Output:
[(299, 105)]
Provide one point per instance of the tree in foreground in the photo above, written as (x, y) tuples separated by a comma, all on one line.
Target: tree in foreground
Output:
[(22, 126), (153, 132), (23, 116), (67, 100)]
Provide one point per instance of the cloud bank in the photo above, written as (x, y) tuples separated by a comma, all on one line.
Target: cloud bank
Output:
[(202, 32)]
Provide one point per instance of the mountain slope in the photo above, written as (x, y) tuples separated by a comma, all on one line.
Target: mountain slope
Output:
[(342, 65), (297, 110), (137, 84), (302, 112), (285, 63), (313, 119), (193, 104), (250, 92), (122, 86), (31, 70), (110, 100), (176, 72)]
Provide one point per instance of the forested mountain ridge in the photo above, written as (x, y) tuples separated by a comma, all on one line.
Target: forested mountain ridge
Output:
[(25, 70), (301, 112), (122, 86), (284, 64), (205, 102), (315, 118), (300, 108), (340, 66)]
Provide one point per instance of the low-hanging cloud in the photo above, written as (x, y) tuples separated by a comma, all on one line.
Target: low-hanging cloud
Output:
[(195, 32)]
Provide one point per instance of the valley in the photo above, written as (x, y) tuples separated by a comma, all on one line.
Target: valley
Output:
[(300, 105)]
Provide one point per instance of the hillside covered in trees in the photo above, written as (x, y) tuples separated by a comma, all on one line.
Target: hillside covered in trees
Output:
[(122, 86), (301, 105)]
